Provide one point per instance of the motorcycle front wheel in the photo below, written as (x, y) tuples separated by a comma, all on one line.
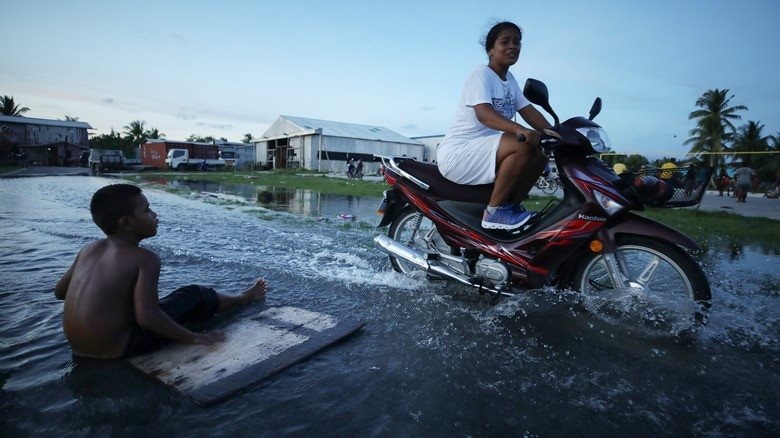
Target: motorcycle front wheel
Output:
[(664, 285), (413, 229)]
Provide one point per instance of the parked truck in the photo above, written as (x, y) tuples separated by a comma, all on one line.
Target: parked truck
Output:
[(200, 156), (106, 159)]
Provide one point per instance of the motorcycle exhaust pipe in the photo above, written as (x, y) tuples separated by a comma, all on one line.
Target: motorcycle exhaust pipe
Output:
[(418, 258), (398, 249)]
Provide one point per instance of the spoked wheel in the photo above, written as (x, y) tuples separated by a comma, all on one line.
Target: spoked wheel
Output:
[(662, 284), (549, 186), (417, 231)]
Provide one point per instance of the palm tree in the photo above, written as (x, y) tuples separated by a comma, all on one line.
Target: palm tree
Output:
[(772, 169), (154, 133), (135, 132), (71, 119), (9, 108), (713, 117), (749, 139), (247, 138)]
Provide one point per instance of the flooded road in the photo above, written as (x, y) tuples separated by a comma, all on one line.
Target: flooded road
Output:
[(433, 359)]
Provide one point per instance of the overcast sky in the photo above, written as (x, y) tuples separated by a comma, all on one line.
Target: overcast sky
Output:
[(226, 68)]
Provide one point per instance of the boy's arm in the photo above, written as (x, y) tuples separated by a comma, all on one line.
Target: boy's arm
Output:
[(147, 306), (61, 289)]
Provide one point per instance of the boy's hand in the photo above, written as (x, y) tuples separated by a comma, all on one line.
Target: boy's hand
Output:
[(209, 338)]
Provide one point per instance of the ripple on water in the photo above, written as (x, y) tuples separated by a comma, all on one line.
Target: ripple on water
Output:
[(434, 356)]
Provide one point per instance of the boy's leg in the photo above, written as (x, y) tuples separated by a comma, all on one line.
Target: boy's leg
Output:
[(190, 303), (196, 303), (255, 292)]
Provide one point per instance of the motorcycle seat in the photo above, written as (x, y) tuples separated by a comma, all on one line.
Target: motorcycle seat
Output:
[(442, 188)]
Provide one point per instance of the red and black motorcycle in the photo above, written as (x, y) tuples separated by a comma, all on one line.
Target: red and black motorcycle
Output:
[(588, 241)]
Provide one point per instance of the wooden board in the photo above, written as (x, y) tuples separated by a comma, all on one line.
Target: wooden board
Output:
[(254, 349)]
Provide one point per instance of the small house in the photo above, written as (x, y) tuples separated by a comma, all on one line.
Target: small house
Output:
[(43, 142)]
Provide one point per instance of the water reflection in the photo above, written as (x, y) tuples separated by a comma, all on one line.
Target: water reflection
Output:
[(297, 201)]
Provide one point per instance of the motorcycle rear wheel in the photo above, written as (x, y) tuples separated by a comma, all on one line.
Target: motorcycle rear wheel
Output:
[(665, 282), (423, 237)]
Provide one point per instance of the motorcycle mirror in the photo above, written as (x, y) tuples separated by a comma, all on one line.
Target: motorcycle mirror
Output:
[(595, 109), (536, 92)]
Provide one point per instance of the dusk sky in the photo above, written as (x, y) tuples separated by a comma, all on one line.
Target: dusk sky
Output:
[(232, 67)]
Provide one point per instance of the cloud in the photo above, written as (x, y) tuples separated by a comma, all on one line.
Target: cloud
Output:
[(427, 108), (108, 100), (215, 125), (410, 127), (184, 116)]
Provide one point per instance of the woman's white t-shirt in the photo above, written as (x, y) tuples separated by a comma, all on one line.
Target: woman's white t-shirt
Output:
[(467, 155)]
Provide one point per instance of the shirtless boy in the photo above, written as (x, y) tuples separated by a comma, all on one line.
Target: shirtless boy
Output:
[(110, 291)]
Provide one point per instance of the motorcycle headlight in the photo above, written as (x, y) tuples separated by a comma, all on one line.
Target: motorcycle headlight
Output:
[(597, 137)]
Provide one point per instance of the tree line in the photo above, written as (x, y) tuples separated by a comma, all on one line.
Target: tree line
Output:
[(716, 141)]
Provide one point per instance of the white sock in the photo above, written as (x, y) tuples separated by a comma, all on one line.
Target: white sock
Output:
[(491, 210)]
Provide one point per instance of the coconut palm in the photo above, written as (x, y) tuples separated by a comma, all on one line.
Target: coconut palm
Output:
[(247, 138), (714, 125), (9, 108), (748, 139), (154, 133), (135, 132)]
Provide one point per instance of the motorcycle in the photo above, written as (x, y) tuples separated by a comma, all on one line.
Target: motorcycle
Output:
[(354, 171), (547, 185), (588, 241)]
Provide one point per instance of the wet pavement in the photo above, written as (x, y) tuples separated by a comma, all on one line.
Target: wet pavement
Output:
[(756, 206)]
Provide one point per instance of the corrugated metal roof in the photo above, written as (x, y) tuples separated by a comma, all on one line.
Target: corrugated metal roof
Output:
[(348, 130), (48, 122)]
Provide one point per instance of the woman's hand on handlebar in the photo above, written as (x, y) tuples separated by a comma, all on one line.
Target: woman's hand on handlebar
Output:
[(550, 138)]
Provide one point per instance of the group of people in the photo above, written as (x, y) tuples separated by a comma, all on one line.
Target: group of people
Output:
[(355, 168)]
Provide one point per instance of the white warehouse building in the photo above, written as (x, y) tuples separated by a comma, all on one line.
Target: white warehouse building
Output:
[(322, 145)]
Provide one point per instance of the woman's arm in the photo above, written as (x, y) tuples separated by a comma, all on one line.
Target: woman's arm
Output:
[(488, 116), (530, 114)]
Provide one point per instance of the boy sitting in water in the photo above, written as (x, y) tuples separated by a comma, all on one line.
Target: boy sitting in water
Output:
[(110, 291)]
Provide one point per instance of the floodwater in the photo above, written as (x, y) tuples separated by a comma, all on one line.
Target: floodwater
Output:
[(433, 358)]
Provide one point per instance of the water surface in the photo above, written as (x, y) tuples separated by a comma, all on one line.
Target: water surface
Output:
[(433, 359)]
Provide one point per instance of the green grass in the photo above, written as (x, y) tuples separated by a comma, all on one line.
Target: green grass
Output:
[(719, 226), (702, 226), (308, 180)]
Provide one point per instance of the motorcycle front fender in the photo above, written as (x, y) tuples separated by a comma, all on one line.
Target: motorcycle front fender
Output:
[(631, 223)]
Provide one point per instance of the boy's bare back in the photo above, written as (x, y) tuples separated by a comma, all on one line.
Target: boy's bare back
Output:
[(99, 307), (111, 289)]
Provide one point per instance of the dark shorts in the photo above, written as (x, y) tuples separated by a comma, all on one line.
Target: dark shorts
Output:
[(186, 304)]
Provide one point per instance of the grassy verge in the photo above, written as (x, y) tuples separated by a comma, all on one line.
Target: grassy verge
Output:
[(720, 226), (314, 181), (702, 226)]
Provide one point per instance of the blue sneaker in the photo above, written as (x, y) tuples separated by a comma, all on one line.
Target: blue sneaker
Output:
[(506, 217)]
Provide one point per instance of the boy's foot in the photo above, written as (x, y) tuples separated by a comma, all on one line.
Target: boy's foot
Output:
[(506, 217), (256, 292)]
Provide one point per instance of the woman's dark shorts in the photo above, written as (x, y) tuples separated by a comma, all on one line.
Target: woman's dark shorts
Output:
[(186, 304)]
